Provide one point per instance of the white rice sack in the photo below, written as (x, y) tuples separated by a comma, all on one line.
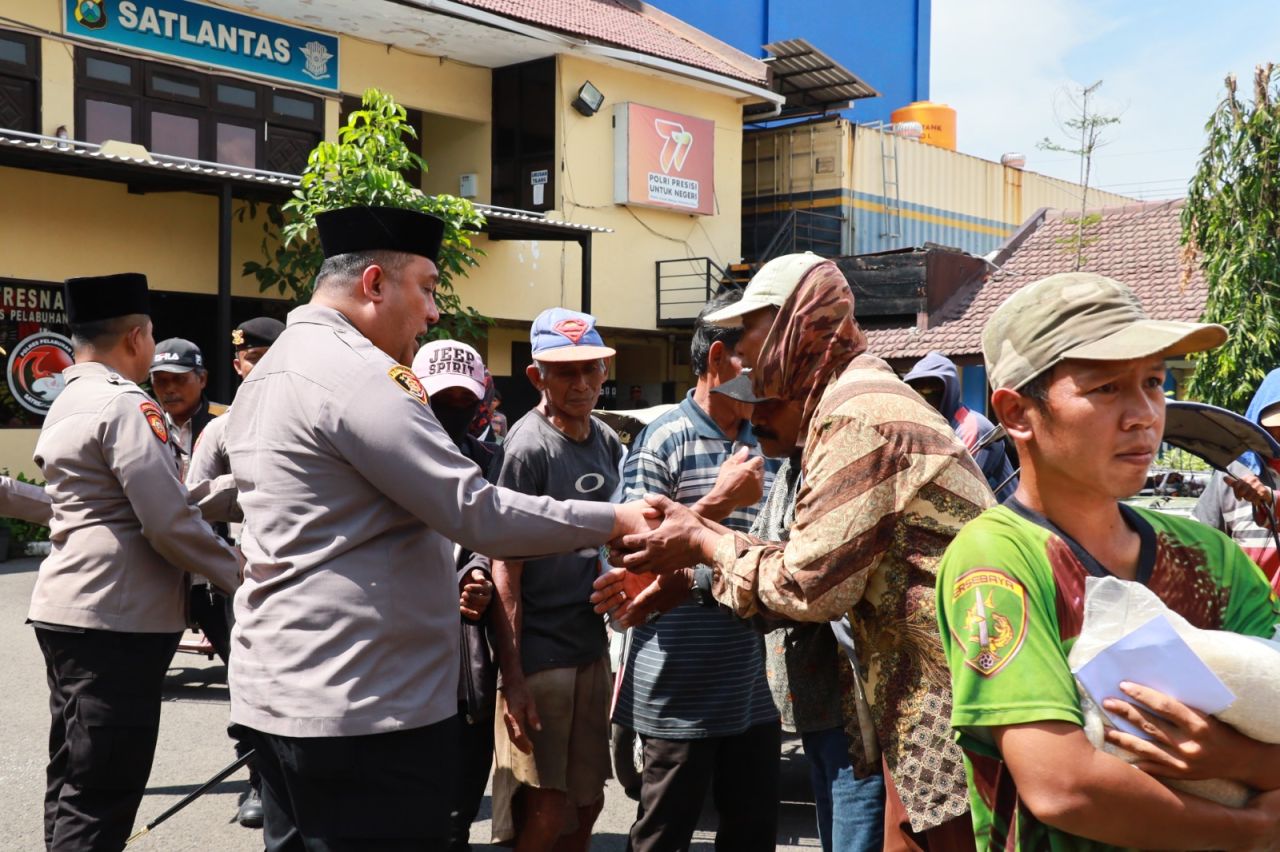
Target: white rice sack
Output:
[(1250, 668)]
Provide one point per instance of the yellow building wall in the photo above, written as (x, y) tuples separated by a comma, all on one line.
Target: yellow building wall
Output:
[(16, 448), (517, 279), (453, 147), (429, 83), (57, 87), (54, 227), (623, 272), (42, 14)]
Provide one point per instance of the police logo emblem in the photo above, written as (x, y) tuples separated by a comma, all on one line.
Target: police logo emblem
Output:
[(155, 419), (995, 624), (237, 338), (408, 382), (317, 56), (91, 14), (35, 370)]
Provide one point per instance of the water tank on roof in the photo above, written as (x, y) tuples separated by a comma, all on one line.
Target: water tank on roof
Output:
[(938, 121)]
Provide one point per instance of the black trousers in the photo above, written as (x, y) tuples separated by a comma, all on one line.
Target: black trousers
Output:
[(378, 793), (475, 759), (213, 613), (741, 772), (104, 708)]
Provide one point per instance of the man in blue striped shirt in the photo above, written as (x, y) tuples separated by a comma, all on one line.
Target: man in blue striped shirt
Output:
[(694, 684)]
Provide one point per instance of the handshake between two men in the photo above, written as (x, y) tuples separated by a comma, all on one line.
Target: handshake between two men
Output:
[(654, 559)]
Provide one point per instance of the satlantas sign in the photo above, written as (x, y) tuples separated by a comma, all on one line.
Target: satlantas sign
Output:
[(209, 35)]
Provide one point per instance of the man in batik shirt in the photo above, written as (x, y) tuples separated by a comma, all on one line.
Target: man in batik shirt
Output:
[(886, 485)]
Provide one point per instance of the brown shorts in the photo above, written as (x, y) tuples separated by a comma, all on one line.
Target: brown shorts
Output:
[(570, 753)]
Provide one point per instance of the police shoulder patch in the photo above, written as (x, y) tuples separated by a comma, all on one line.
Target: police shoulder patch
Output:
[(155, 419), (408, 382), (994, 622)]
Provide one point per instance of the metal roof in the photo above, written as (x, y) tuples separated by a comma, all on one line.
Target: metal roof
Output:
[(150, 171), (812, 82)]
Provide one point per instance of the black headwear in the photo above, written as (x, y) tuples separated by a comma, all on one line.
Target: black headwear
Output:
[(259, 331), (103, 297), (354, 229)]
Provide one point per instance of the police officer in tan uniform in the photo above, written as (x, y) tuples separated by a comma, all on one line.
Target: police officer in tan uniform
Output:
[(345, 648), (250, 340), (109, 600), (209, 461)]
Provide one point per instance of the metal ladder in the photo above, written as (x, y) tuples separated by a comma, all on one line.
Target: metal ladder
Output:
[(889, 179)]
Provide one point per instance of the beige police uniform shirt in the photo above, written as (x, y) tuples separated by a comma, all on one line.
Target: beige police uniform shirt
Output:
[(209, 467), (24, 501), (215, 498), (209, 456), (353, 494), (123, 529)]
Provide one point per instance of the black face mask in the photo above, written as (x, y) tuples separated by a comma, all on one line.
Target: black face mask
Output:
[(455, 420)]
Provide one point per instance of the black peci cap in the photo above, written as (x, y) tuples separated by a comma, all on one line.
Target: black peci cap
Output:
[(354, 229), (259, 331), (103, 297)]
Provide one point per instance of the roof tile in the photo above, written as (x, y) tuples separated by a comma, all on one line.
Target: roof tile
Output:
[(1137, 244), (633, 25)]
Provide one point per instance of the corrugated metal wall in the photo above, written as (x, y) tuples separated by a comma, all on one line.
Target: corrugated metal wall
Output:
[(943, 196)]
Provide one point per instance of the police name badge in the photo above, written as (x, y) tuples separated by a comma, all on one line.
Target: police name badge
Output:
[(155, 419), (408, 382), (995, 623)]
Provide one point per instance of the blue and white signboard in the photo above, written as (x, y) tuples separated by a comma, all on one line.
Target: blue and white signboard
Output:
[(209, 35)]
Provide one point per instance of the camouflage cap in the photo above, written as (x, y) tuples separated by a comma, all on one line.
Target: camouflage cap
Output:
[(1080, 315)]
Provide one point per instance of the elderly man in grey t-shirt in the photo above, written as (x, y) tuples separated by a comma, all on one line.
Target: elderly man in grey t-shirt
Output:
[(551, 749)]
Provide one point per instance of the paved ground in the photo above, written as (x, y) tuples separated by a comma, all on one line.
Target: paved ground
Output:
[(193, 746)]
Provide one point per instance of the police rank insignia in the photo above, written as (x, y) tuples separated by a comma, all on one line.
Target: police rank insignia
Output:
[(155, 419), (995, 622), (405, 378)]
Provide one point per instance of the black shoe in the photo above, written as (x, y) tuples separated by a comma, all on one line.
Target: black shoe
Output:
[(250, 813)]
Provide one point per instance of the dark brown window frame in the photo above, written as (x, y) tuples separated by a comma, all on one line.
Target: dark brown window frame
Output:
[(145, 99), (26, 73), (518, 89)]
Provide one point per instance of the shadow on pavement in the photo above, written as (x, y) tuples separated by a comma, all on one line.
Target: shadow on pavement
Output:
[(26, 565), (197, 683), (229, 786)]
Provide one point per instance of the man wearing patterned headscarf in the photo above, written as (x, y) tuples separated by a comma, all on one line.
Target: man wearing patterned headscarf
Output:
[(885, 486)]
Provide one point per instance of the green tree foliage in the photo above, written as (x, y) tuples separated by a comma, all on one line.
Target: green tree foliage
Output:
[(367, 166), (1231, 228)]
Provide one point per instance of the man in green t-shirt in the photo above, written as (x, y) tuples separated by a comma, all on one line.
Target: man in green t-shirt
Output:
[(1078, 372)]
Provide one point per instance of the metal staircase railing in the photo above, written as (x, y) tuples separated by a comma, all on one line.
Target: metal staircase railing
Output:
[(684, 285), (804, 230)]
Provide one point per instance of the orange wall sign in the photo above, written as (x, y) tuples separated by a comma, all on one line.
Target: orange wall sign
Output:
[(663, 159)]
